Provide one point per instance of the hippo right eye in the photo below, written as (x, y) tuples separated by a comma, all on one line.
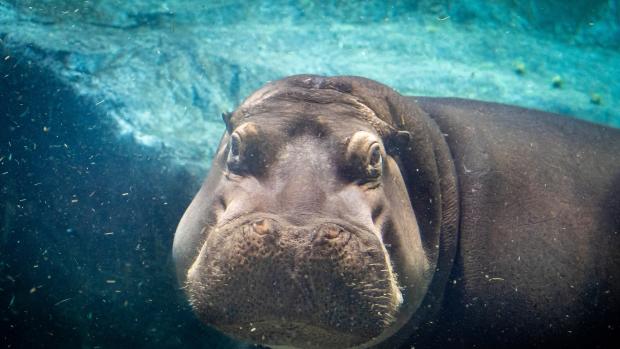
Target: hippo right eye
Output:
[(364, 158), (375, 161)]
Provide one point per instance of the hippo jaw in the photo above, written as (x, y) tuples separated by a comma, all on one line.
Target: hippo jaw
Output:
[(264, 280)]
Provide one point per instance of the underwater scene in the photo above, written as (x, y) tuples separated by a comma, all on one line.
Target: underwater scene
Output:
[(113, 113)]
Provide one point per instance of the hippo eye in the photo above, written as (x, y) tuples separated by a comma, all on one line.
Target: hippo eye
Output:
[(234, 153), (364, 159), (234, 145), (375, 161)]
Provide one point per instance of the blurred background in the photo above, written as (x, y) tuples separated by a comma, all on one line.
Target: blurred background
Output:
[(110, 113)]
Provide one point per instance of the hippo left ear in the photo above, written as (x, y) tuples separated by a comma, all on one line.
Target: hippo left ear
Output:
[(226, 117)]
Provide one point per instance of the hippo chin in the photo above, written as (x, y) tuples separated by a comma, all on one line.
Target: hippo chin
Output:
[(331, 219)]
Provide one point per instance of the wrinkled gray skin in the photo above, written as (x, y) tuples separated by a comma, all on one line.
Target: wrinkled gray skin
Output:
[(339, 214)]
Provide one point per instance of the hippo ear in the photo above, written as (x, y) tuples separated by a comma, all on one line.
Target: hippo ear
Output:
[(398, 142), (226, 117)]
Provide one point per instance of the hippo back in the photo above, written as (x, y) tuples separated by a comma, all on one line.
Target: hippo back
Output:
[(539, 236)]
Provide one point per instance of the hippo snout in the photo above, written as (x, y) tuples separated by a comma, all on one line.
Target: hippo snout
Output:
[(257, 275), (319, 235)]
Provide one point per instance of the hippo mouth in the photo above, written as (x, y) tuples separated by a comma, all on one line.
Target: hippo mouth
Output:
[(260, 279)]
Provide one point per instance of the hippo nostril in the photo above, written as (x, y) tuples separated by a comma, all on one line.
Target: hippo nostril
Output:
[(332, 232), (262, 227)]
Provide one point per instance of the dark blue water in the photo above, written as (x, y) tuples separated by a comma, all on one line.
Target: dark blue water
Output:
[(109, 114)]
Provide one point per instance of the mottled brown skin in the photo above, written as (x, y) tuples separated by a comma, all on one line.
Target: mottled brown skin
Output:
[(339, 214)]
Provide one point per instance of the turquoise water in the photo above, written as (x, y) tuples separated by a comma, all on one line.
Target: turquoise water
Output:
[(110, 113), (165, 71)]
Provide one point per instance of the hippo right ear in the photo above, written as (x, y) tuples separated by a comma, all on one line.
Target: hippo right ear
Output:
[(226, 117), (398, 142)]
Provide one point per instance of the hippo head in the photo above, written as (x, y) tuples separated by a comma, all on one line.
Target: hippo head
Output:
[(303, 234)]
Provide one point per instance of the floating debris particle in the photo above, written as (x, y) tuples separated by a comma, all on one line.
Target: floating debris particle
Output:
[(110, 233), (110, 281), (74, 201), (125, 194), (33, 290), (557, 81), (519, 68), (46, 129), (62, 301), (596, 99)]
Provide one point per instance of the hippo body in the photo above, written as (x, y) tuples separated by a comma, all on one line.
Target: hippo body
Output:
[(538, 257), (340, 214)]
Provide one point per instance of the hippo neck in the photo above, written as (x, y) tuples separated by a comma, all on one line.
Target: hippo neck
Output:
[(433, 189)]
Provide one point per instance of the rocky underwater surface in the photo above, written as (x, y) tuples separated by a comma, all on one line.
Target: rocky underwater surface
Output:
[(110, 112), (165, 71)]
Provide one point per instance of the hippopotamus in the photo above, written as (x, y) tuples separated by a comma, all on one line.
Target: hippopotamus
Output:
[(338, 213)]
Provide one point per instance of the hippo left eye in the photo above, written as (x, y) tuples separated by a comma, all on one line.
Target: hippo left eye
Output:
[(245, 151), (234, 153)]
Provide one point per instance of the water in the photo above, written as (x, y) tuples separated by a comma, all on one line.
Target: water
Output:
[(111, 114)]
